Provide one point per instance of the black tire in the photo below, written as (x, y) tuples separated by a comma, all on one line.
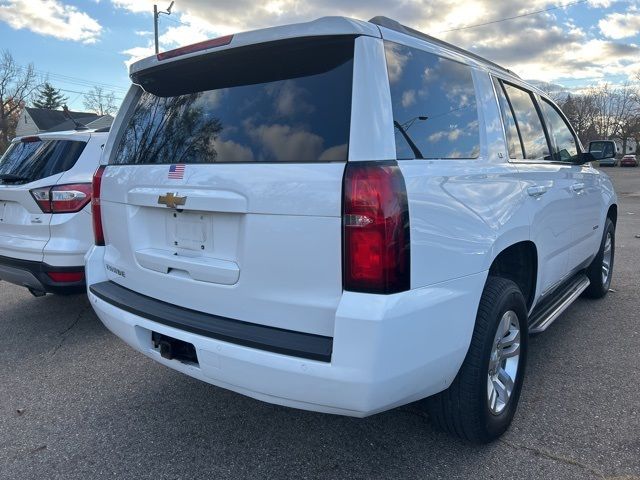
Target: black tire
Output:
[(598, 288), (463, 409)]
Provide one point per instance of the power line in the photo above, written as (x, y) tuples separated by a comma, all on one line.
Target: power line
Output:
[(491, 22), (176, 21), (76, 80), (84, 93)]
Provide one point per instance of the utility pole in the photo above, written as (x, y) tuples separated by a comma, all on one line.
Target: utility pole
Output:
[(155, 26), (156, 16)]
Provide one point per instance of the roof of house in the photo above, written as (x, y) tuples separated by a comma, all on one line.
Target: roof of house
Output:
[(104, 121), (47, 120), (71, 125)]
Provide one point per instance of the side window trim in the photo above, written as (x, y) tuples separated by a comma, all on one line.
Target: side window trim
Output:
[(543, 122), (551, 140), (515, 120)]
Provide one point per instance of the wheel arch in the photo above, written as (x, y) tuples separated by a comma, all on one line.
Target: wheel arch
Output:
[(612, 213), (518, 262)]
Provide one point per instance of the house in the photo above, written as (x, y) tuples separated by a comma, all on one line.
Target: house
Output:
[(104, 121), (632, 148), (37, 120)]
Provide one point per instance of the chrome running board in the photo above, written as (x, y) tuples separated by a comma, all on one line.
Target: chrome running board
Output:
[(548, 312)]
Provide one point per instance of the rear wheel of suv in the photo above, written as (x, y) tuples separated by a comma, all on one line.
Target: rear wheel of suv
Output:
[(601, 269), (482, 400)]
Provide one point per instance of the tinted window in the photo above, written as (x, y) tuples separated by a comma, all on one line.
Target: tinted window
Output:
[(510, 128), (529, 124), (285, 103), (434, 105), (565, 149), (25, 162)]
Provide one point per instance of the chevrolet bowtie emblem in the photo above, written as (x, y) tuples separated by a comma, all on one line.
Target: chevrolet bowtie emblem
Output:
[(171, 200)]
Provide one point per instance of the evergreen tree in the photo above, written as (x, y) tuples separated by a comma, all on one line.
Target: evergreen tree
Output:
[(49, 97)]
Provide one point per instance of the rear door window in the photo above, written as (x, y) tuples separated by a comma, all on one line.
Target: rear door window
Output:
[(285, 102), (434, 105), (534, 139), (33, 159)]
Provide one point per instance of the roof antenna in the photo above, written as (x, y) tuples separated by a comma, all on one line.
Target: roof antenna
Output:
[(67, 114)]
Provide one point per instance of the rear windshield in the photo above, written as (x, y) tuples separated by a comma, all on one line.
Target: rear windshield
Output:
[(27, 161), (281, 102)]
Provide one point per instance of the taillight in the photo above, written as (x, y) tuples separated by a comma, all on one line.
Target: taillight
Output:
[(96, 213), (375, 228), (63, 198), (66, 277)]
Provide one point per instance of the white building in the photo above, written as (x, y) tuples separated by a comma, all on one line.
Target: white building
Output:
[(631, 146)]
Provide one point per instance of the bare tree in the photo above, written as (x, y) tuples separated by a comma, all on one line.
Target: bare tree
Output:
[(100, 101), (17, 84), (605, 112), (581, 110)]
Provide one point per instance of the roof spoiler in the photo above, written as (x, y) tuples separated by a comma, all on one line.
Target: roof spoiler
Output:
[(398, 27)]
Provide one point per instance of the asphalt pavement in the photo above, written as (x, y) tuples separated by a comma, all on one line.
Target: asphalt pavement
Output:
[(77, 403)]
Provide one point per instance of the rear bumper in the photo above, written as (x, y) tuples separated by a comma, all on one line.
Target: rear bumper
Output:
[(387, 350), (34, 275)]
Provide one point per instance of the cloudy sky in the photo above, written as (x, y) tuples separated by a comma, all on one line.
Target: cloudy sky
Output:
[(79, 43)]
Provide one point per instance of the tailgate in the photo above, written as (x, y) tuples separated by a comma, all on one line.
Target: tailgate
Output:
[(24, 229), (266, 249)]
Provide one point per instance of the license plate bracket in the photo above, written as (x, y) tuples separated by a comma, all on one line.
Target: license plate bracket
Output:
[(190, 231)]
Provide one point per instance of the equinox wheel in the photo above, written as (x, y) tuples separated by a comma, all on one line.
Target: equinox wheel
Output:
[(600, 271), (503, 362), (482, 400)]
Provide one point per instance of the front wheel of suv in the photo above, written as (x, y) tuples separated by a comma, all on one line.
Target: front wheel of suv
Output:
[(482, 400)]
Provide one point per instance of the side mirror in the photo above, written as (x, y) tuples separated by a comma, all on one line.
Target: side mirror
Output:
[(585, 157), (602, 149)]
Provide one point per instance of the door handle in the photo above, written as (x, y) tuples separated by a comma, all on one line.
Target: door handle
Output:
[(537, 190), (577, 187)]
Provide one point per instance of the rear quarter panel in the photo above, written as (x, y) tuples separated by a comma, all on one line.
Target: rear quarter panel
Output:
[(465, 212)]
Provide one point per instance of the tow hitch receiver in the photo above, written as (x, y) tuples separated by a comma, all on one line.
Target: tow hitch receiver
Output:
[(174, 349)]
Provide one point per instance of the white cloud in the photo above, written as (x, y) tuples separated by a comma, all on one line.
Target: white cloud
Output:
[(287, 144), (408, 98), (230, 151), (52, 18), (600, 3), (137, 53), (619, 25)]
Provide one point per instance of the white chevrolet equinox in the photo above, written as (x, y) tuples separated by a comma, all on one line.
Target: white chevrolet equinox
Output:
[(345, 216), (45, 215)]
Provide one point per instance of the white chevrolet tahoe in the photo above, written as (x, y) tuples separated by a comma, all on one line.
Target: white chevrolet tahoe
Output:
[(345, 216), (45, 215)]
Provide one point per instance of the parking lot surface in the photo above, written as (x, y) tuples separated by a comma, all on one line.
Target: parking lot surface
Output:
[(75, 402)]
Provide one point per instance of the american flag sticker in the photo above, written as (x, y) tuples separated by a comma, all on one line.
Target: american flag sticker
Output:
[(176, 172)]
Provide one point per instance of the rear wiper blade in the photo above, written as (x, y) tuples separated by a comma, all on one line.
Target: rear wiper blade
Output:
[(10, 177)]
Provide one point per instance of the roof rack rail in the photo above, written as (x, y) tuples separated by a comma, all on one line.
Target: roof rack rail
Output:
[(398, 27)]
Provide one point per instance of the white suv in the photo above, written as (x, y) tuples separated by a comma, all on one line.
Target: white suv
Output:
[(345, 216), (45, 216)]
